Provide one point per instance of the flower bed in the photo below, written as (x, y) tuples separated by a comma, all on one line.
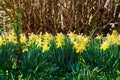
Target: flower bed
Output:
[(74, 57)]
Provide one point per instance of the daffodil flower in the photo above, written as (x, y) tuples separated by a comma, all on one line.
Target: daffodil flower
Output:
[(47, 37), (39, 43), (59, 39), (22, 39), (11, 38), (72, 36), (29, 43), (24, 48), (59, 44), (105, 45), (99, 37), (114, 32), (79, 47), (1, 41), (45, 47)]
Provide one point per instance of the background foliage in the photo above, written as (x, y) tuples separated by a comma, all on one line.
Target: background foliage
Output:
[(80, 16)]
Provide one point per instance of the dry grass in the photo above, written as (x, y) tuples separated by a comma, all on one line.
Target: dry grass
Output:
[(53, 16)]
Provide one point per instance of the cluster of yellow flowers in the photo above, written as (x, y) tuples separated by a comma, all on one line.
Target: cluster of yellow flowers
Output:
[(43, 40), (7, 38), (60, 40), (40, 40), (79, 42), (114, 38)]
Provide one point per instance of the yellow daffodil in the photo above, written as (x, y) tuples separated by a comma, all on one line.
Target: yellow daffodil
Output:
[(29, 43), (80, 43), (85, 40), (72, 36), (1, 41), (40, 35), (77, 51), (114, 32), (59, 44), (45, 47), (11, 38), (113, 39), (47, 36), (80, 37), (76, 45), (118, 40), (39, 43), (110, 38), (24, 48), (22, 39), (79, 47), (99, 37), (59, 39), (33, 37), (105, 45)]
